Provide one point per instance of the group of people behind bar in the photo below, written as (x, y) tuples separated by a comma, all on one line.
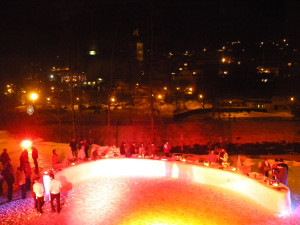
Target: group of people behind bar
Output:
[(278, 170), (221, 158)]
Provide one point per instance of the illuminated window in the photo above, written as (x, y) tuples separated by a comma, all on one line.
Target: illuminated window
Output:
[(180, 68)]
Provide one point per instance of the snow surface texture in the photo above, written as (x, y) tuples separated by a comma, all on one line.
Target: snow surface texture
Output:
[(135, 200)]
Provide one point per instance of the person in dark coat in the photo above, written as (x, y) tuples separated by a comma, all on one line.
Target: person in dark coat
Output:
[(281, 172), (27, 171), (132, 148), (8, 174), (73, 146), (86, 148), (20, 180), (122, 148), (35, 156), (24, 158), (4, 158)]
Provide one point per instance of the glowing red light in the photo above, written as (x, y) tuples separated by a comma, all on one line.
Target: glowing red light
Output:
[(26, 144)]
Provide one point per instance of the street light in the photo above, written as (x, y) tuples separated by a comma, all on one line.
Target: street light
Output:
[(33, 96)]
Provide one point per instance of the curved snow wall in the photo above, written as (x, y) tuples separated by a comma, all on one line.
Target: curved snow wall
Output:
[(265, 195)]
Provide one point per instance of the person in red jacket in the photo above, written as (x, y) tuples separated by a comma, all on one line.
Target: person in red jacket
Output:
[(167, 148), (212, 157)]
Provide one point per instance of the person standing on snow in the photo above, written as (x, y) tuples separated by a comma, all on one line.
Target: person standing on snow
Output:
[(281, 172), (54, 190), (27, 171), (211, 158), (35, 156), (167, 148), (142, 150), (152, 150), (4, 158), (39, 198), (24, 158), (20, 180), (132, 148), (122, 148), (223, 156), (55, 158), (73, 146), (8, 174)]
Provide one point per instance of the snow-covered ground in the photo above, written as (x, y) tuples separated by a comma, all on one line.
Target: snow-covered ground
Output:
[(134, 200)]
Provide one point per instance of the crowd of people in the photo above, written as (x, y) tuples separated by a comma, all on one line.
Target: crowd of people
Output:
[(142, 150), (33, 183), (220, 158), (27, 181), (278, 171)]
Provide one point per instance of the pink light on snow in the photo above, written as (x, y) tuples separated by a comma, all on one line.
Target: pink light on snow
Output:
[(46, 181)]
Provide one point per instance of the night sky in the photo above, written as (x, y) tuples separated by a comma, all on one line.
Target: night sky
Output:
[(36, 32)]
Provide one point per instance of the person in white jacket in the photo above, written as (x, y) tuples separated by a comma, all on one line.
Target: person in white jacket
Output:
[(39, 197), (54, 190)]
